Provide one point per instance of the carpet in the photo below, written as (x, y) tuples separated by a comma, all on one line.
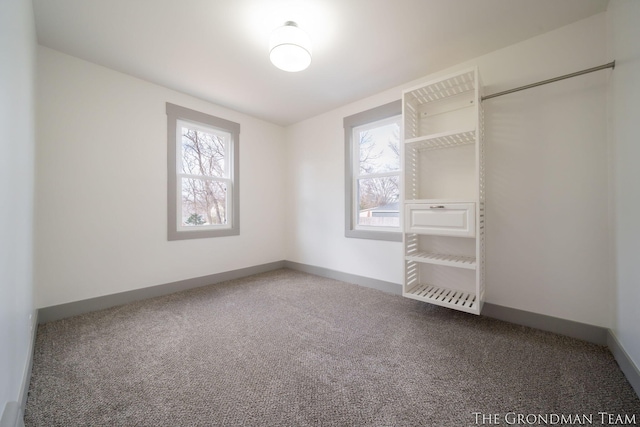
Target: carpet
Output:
[(286, 348)]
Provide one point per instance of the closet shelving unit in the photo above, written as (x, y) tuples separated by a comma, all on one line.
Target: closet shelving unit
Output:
[(443, 191)]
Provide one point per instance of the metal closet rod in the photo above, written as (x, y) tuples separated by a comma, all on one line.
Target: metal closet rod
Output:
[(611, 64)]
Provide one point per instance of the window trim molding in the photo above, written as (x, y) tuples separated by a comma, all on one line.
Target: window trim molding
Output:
[(174, 114), (378, 113)]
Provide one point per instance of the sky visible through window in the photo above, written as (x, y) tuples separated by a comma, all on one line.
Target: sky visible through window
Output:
[(379, 149)]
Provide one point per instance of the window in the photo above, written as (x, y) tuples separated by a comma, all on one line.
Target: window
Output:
[(372, 153), (202, 161)]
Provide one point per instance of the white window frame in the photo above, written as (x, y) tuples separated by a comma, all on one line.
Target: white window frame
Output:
[(177, 118), (370, 118)]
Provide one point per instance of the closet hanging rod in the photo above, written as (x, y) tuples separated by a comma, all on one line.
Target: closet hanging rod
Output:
[(611, 64)]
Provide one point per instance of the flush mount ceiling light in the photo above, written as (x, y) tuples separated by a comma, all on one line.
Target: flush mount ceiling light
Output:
[(290, 48)]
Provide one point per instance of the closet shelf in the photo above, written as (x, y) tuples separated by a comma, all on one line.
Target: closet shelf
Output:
[(442, 259), (445, 88), (442, 140), (458, 300), (443, 161)]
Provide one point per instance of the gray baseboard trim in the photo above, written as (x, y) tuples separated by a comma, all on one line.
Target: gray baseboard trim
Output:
[(628, 368), (595, 334), (12, 415), (57, 312), (583, 331), (26, 379), (381, 285)]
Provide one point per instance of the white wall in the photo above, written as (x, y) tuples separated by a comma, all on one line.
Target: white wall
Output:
[(17, 111), (101, 186), (624, 34), (100, 215), (547, 242), (100, 219), (316, 200), (547, 177)]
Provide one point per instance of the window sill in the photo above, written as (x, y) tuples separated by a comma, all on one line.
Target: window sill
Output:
[(390, 236)]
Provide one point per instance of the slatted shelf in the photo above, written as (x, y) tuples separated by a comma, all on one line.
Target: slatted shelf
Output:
[(444, 88), (442, 259), (442, 140), (444, 266), (458, 300)]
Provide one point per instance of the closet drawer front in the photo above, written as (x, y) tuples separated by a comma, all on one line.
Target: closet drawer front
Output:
[(448, 219)]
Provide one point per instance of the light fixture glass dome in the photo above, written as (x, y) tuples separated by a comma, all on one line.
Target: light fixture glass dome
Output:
[(290, 48)]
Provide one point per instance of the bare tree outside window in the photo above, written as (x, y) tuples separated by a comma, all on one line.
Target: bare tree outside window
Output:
[(203, 181), (372, 173), (204, 186), (377, 184)]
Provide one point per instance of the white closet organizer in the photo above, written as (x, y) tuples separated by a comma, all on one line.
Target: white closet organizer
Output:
[(443, 190)]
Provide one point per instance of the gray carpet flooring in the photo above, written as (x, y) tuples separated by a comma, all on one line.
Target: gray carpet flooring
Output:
[(286, 348)]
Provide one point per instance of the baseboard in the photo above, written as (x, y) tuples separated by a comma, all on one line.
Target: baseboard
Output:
[(628, 368), (12, 415), (590, 333), (26, 378), (583, 331), (61, 311), (13, 412), (57, 312), (381, 285)]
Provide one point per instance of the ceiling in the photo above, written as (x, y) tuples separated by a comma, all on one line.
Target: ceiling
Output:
[(217, 50)]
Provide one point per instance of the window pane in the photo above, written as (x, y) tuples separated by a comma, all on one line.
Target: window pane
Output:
[(378, 202), (204, 202), (203, 153), (379, 148)]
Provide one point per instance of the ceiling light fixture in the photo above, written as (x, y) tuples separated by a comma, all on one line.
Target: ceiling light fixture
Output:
[(290, 48)]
